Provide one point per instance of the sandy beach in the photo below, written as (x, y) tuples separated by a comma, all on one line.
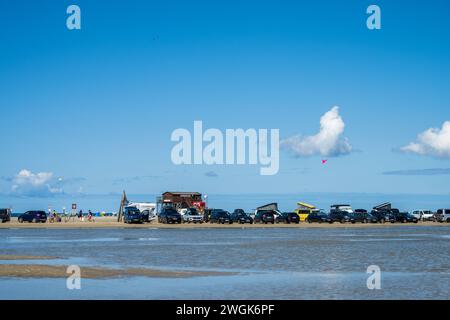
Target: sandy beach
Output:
[(111, 222), (50, 271)]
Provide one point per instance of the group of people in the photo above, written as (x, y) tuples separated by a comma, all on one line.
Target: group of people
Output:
[(89, 217), (53, 216)]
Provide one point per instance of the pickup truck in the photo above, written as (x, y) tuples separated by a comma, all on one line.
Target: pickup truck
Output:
[(424, 215)]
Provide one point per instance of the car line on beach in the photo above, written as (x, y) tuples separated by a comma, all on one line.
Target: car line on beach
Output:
[(197, 212)]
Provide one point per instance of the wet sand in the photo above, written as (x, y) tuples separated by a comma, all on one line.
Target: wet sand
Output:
[(48, 271), (111, 222), (7, 257)]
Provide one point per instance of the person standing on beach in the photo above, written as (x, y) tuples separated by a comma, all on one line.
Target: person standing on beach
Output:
[(90, 216), (80, 215)]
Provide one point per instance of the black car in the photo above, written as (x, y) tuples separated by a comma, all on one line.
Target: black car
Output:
[(220, 216), (288, 217), (380, 216), (402, 217), (239, 216), (132, 215), (145, 215), (169, 215), (33, 216), (265, 216), (5, 215), (339, 216), (207, 214), (362, 217), (319, 217)]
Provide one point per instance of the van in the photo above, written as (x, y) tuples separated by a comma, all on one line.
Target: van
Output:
[(304, 210), (5, 215)]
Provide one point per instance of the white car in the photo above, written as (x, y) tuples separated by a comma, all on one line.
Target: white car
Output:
[(341, 207), (443, 215), (424, 215)]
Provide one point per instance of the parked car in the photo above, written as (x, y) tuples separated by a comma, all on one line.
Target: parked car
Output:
[(169, 215), (148, 215), (192, 215), (443, 215), (132, 215), (428, 215), (5, 215), (384, 212), (402, 217), (271, 207), (220, 216), (339, 216), (239, 216), (207, 214), (424, 215), (34, 216), (362, 216), (288, 217), (265, 216), (319, 217), (304, 209), (341, 208)]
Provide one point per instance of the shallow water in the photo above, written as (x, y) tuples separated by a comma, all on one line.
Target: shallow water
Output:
[(273, 263)]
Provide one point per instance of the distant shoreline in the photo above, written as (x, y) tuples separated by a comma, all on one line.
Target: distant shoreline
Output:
[(111, 222)]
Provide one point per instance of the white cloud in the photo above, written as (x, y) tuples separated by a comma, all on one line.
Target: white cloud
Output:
[(432, 142), (39, 184), (328, 142)]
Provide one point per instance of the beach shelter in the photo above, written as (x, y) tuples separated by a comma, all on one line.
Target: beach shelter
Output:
[(123, 203)]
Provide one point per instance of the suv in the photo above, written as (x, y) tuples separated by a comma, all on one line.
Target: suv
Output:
[(402, 217), (241, 217), (132, 215), (33, 216), (288, 217), (381, 215), (5, 215), (169, 215), (265, 216), (339, 216), (443, 215), (361, 215), (318, 216), (192, 215), (341, 208), (220, 216)]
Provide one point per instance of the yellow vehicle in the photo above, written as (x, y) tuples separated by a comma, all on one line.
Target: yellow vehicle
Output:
[(303, 210)]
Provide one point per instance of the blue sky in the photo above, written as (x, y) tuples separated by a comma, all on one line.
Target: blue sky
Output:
[(96, 107)]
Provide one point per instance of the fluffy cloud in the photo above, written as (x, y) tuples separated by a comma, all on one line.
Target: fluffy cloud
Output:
[(40, 184), (433, 142), (328, 142)]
